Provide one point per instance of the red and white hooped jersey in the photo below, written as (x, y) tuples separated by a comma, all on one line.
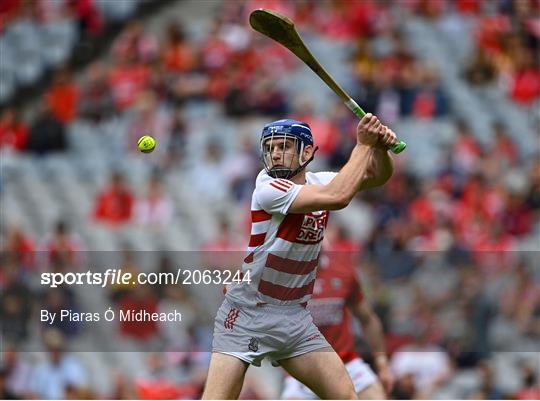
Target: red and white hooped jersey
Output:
[(283, 249)]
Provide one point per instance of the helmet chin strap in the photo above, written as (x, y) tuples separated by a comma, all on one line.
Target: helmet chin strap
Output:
[(287, 173)]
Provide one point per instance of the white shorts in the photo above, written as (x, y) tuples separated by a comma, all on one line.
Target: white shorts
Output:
[(252, 333), (361, 374)]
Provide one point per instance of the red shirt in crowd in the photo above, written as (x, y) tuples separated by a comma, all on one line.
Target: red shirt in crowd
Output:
[(425, 104), (526, 86), (468, 6), (114, 206), (143, 330), (63, 101), (528, 394), (64, 247), (489, 33), (180, 57), (421, 211), (215, 54), (21, 246), (126, 82), (323, 132), (13, 136), (165, 389)]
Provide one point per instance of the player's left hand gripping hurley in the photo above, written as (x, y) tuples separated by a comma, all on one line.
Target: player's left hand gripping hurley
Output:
[(282, 30)]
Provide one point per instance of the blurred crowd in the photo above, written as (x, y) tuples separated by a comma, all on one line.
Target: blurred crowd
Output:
[(38, 37), (444, 266), (85, 12), (507, 49)]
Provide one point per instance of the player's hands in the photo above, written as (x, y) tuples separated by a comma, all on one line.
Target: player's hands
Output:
[(367, 132), (387, 137), (371, 132)]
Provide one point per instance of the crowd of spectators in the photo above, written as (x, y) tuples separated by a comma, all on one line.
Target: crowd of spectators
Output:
[(85, 12), (40, 37), (464, 222), (506, 44)]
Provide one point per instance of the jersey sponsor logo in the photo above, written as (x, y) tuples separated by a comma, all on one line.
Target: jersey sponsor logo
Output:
[(312, 229), (303, 229), (231, 319)]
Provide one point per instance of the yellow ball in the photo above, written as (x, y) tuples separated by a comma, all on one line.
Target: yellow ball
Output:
[(146, 144)]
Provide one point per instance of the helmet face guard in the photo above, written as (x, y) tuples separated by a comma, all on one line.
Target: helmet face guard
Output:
[(292, 136)]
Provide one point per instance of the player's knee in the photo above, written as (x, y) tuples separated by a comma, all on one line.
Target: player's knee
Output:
[(349, 393)]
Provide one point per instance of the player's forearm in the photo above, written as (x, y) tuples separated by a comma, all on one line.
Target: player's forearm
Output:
[(374, 336), (380, 169), (352, 177)]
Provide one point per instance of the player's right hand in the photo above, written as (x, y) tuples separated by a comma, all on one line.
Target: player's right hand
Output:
[(368, 131)]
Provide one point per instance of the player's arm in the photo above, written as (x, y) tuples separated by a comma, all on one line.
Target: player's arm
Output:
[(380, 170), (374, 336), (369, 166)]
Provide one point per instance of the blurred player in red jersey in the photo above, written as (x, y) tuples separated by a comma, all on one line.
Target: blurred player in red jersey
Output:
[(266, 316), (338, 294)]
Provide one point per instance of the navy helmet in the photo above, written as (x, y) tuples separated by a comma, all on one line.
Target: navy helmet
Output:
[(299, 132)]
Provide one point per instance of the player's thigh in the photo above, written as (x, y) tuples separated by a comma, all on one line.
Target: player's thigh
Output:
[(225, 377), (374, 391), (323, 372)]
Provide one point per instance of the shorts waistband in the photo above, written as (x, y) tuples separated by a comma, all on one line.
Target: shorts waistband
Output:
[(287, 309), (303, 305)]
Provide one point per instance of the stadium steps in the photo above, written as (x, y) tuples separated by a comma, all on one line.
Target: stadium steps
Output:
[(358, 218), (334, 57), (74, 199), (117, 10), (426, 142), (194, 221), (493, 97), (425, 39), (39, 206), (460, 386), (481, 107), (506, 371), (57, 41), (99, 372), (193, 15), (7, 70), (12, 211), (33, 48)]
